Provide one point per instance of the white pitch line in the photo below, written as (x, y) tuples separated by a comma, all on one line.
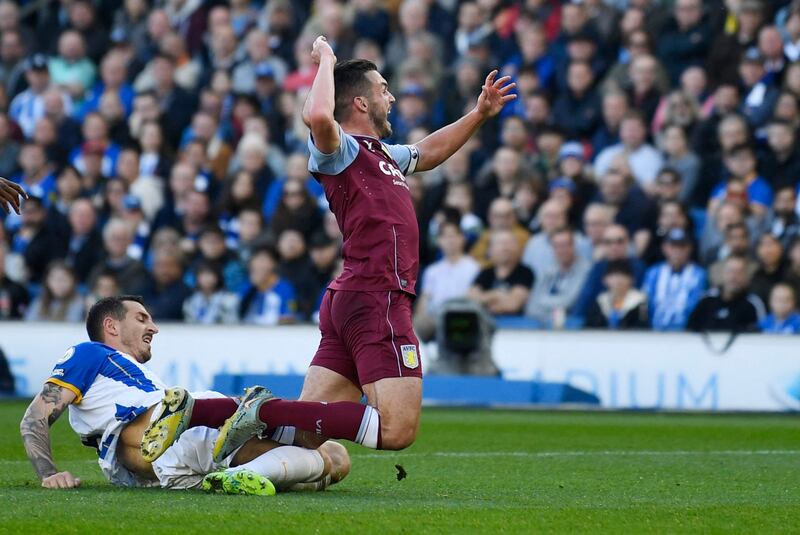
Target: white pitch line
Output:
[(603, 453)]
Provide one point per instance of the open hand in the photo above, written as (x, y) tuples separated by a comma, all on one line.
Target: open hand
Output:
[(494, 95), (321, 48), (61, 480), (10, 194)]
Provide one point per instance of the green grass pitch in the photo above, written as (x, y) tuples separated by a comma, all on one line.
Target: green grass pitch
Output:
[(470, 471)]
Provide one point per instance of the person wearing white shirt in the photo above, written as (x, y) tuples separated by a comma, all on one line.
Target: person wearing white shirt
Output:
[(644, 160), (446, 279)]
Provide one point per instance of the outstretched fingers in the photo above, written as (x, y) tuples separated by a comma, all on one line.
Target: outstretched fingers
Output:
[(490, 78)]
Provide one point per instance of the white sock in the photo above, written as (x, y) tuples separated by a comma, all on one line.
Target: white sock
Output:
[(286, 465), (370, 428), (284, 435)]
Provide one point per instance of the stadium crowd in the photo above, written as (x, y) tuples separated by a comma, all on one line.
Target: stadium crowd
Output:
[(646, 177)]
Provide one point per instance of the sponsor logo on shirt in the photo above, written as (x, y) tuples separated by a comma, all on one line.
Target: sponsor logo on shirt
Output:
[(58, 372)]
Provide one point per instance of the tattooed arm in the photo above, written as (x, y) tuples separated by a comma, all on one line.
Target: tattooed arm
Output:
[(43, 411)]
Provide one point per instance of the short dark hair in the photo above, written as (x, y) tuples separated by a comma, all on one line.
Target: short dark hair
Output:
[(739, 149), (619, 267), (349, 81), (108, 306)]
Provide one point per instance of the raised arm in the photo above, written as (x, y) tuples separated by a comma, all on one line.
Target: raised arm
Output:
[(10, 195), (319, 105), (440, 145), (43, 411)]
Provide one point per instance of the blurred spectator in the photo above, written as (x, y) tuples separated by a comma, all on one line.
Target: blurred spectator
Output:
[(771, 266), (614, 108), (577, 109), (783, 221), (686, 38), (729, 307), (14, 297), (104, 285), (616, 246), (28, 107), (539, 254), (39, 240), (9, 148), (596, 219), (113, 80), (679, 156), (740, 162), (448, 278), (371, 21), (297, 268), (760, 91), (250, 225), (166, 292), (674, 286), (297, 210), (501, 179), (36, 177), (210, 303), (12, 60), (175, 103), (737, 243), (622, 306), (573, 166), (501, 217), (85, 249), (131, 274), (59, 300), (296, 169), (784, 317), (643, 92), (729, 47), (212, 250), (558, 284), (671, 215), (71, 70), (781, 164), (644, 160), (268, 299), (632, 206), (504, 287)]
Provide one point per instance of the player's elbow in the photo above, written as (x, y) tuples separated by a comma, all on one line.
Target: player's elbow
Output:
[(320, 119)]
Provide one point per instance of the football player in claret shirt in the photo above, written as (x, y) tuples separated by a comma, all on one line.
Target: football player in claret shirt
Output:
[(368, 346)]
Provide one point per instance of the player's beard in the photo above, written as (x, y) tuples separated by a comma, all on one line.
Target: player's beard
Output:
[(380, 121)]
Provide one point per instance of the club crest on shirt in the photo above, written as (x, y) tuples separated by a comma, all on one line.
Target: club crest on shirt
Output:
[(409, 354), (67, 356)]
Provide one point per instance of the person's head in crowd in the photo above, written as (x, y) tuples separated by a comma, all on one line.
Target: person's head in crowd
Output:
[(791, 77), (197, 208), (59, 289), (323, 252), (616, 242), (668, 184), (793, 255), (581, 46), (571, 160), (173, 45), (146, 107), (552, 216), (507, 165), (614, 108), (163, 73), (194, 154), (514, 134), (732, 131), (467, 76), (728, 213), (596, 219), (128, 164), (82, 217), (528, 82), (751, 67), (92, 153), (33, 160), (262, 268), (633, 130), (615, 188), (181, 181), (204, 126), (12, 47), (740, 162), (295, 196), (787, 108), (580, 77), (504, 249), (451, 239), (36, 73), (574, 17), (770, 43), (563, 243), (533, 44), (633, 21), (245, 106), (95, 127), (165, 238), (644, 73), (297, 167), (105, 284), (252, 153), (459, 196), (81, 15), (69, 184), (9, 16), (769, 252), (210, 103), (212, 243), (682, 109), (34, 213), (674, 141), (291, 245), (456, 168), (737, 239), (782, 300), (750, 17), (257, 43), (694, 83), (781, 137), (132, 211), (537, 109), (671, 215), (688, 13), (251, 225), (167, 267), (209, 278), (111, 107), (735, 276), (45, 133), (726, 99), (527, 196), (618, 278), (371, 51), (785, 202), (218, 17), (239, 193), (470, 16), (117, 237), (71, 46), (677, 248), (501, 215)]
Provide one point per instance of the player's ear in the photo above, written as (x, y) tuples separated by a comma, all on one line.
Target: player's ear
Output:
[(360, 103), (110, 326)]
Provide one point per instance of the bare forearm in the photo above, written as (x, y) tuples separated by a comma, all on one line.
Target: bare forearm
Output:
[(321, 98), (440, 145)]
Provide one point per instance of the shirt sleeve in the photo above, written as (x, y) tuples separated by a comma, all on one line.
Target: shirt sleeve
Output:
[(406, 156), (335, 162), (78, 368)]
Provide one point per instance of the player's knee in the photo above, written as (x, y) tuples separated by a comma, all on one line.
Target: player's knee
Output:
[(337, 459), (398, 437)]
